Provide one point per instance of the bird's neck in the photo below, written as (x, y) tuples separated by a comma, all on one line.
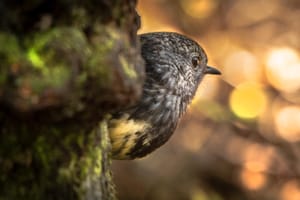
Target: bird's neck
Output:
[(164, 103)]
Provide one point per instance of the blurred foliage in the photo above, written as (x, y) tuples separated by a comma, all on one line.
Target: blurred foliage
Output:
[(241, 137)]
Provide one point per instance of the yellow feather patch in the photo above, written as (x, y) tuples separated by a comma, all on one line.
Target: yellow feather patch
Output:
[(122, 133)]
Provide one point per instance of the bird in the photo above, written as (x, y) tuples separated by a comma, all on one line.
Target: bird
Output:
[(174, 67)]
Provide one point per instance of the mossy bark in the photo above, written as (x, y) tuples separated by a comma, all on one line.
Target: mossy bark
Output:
[(64, 66)]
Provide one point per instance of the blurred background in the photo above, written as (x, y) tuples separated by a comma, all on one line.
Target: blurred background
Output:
[(240, 138)]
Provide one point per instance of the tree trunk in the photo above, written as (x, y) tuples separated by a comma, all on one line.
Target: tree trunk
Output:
[(64, 66)]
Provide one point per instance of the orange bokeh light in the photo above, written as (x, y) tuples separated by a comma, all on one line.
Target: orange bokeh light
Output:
[(283, 69), (243, 63), (198, 8), (252, 180), (287, 123), (290, 191)]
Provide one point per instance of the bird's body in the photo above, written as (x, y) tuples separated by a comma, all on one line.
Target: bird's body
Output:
[(175, 65)]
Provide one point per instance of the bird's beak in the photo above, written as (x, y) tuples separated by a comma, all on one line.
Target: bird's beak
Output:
[(211, 70)]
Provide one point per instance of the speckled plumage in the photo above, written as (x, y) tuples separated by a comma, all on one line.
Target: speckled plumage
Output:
[(175, 65)]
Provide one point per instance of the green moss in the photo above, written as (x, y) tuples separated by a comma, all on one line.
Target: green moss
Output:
[(110, 53), (35, 58), (99, 64), (95, 165), (98, 159), (127, 68), (52, 55), (98, 70), (81, 17), (10, 55), (93, 161), (54, 78), (9, 48), (59, 45)]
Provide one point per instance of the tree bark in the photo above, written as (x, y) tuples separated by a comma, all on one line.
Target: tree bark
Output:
[(64, 66)]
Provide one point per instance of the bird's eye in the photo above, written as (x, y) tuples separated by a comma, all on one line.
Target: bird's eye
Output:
[(195, 61)]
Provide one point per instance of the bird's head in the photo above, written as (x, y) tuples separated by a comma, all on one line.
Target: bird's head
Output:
[(175, 62)]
